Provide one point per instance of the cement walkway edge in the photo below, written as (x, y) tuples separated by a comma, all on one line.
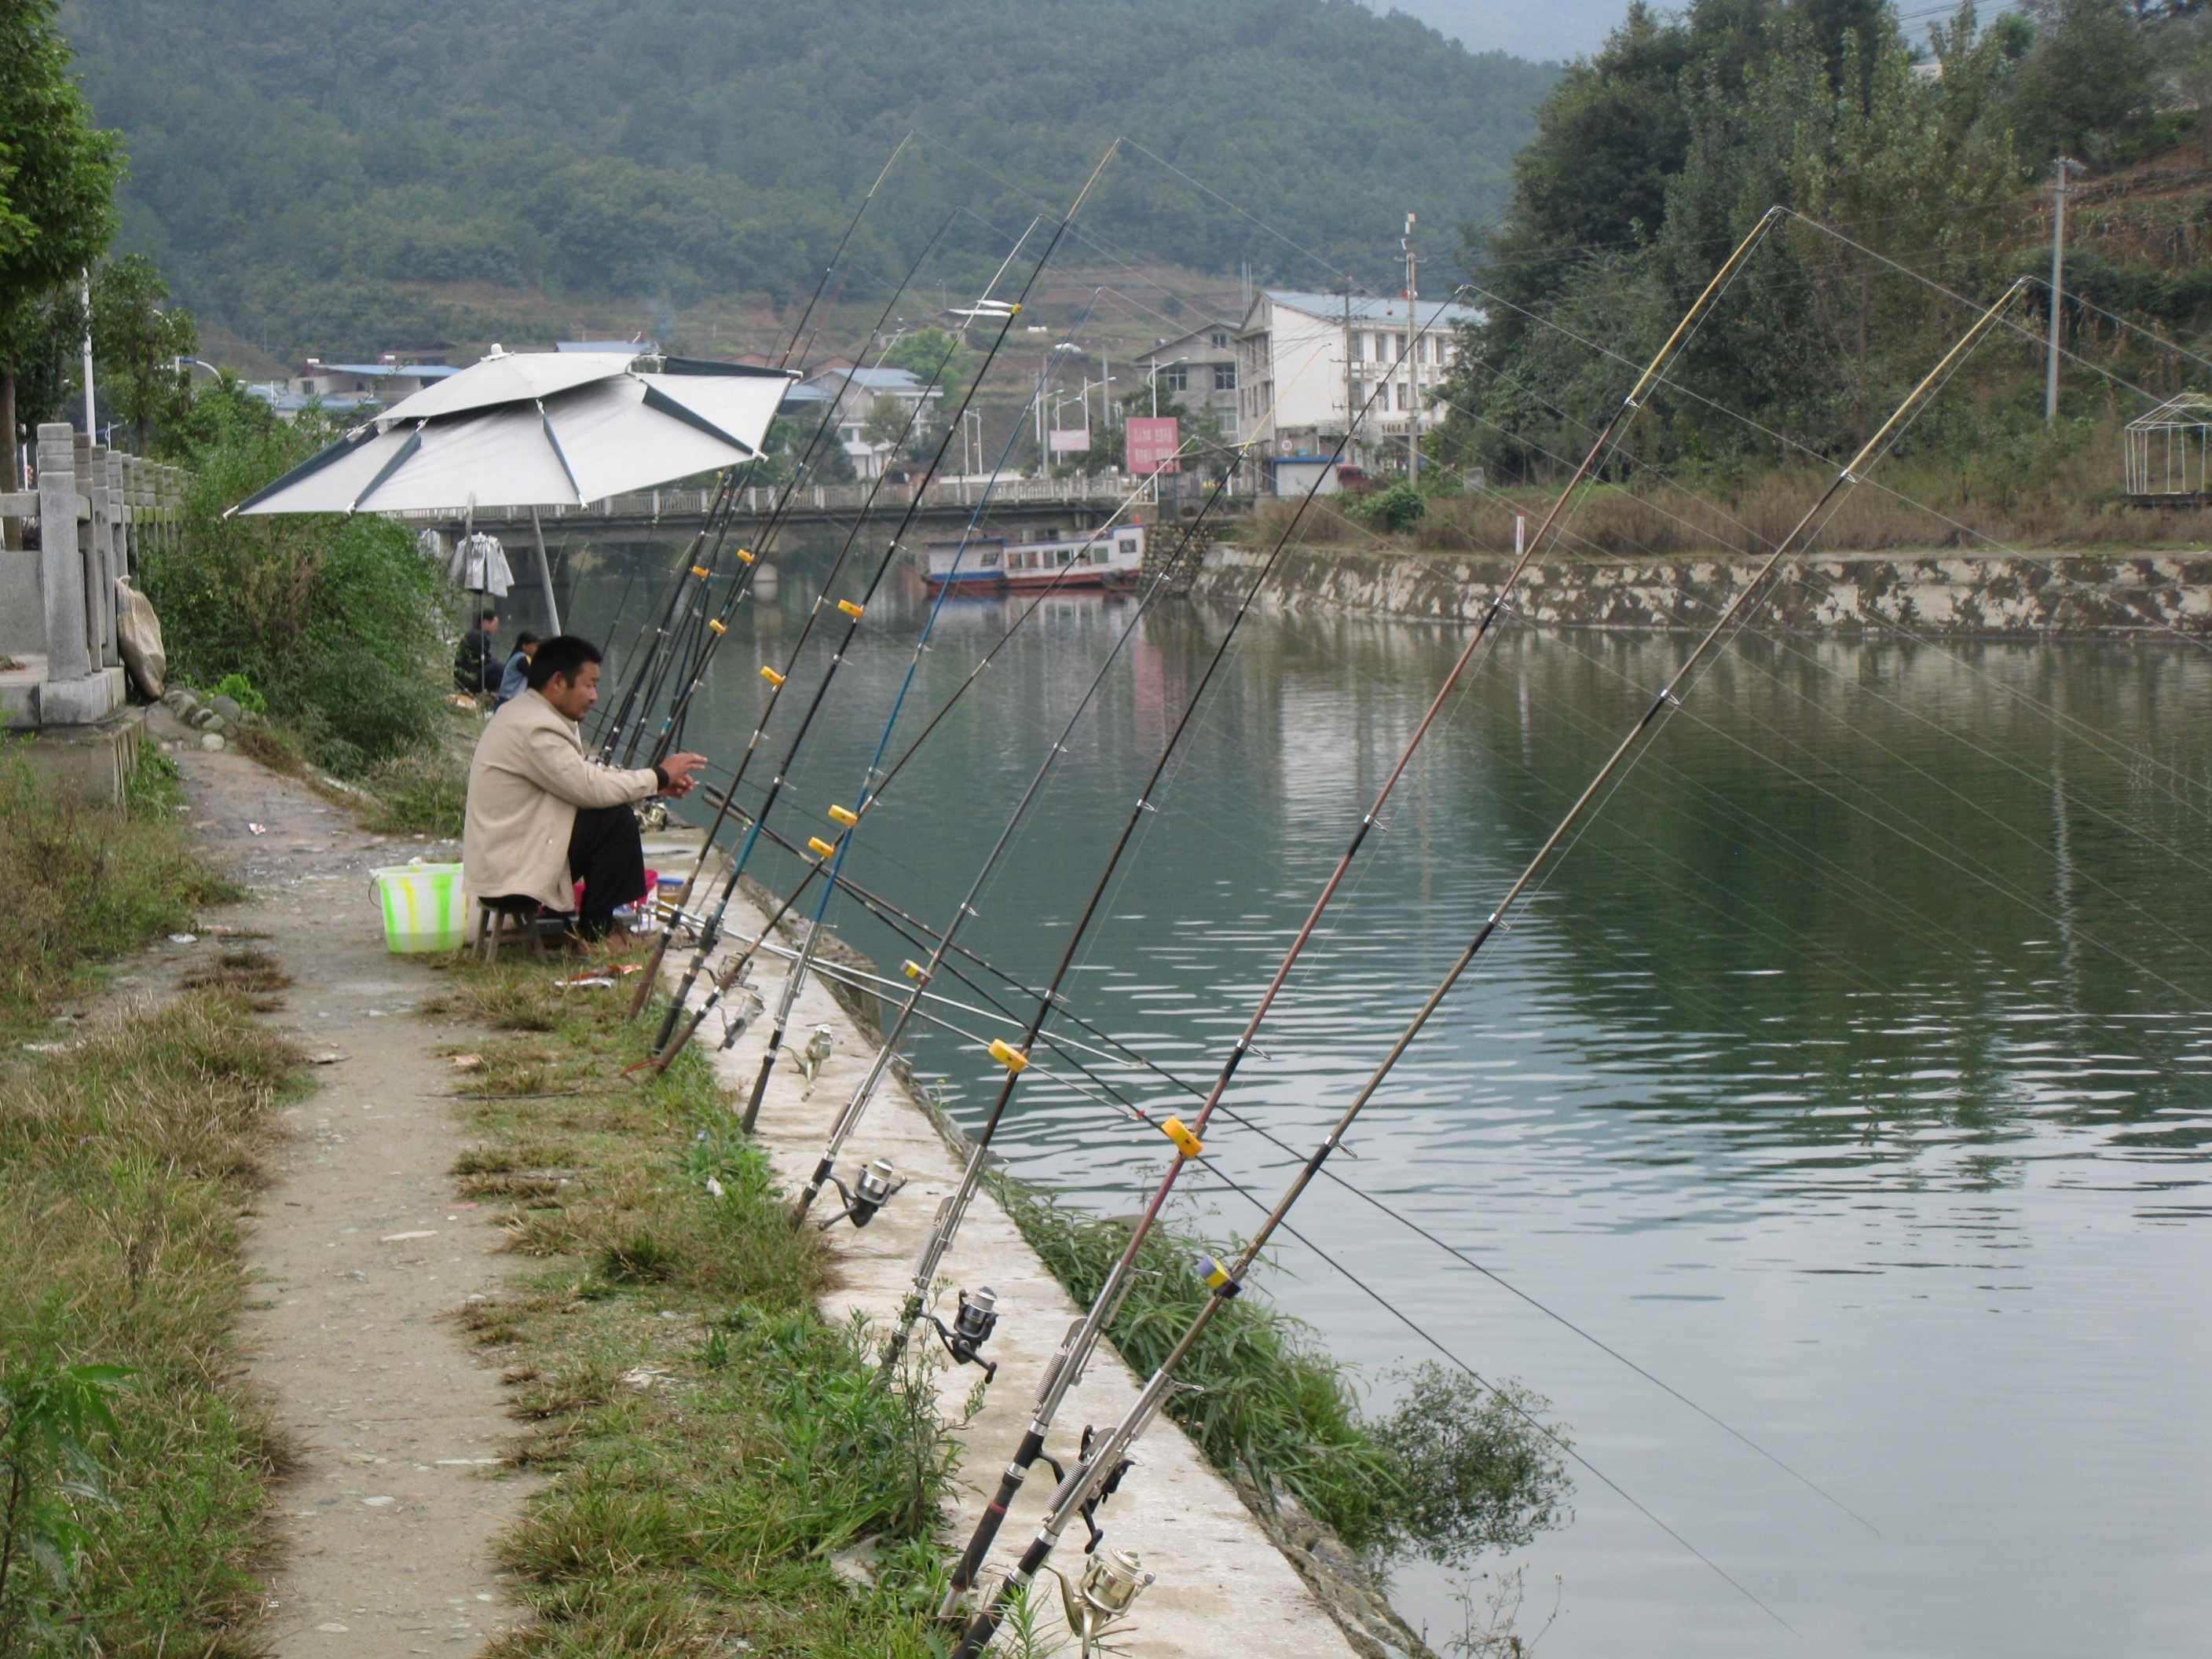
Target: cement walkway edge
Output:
[(1223, 1586)]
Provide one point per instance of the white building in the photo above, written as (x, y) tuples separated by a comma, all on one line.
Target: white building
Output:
[(1303, 359)]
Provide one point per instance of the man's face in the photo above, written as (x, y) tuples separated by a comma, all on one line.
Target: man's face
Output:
[(575, 697)]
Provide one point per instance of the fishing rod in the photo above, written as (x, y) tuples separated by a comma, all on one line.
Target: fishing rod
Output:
[(816, 865), (870, 789), (1014, 1056), (725, 504), (719, 512), (912, 931), (855, 609), (1103, 1456), (777, 678), (1074, 1355), (829, 864), (716, 630)]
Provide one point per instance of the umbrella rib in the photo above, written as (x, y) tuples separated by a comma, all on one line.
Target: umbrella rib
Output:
[(656, 399), (567, 471), (335, 452), (414, 443)]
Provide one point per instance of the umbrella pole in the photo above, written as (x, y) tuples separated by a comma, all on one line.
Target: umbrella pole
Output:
[(545, 572)]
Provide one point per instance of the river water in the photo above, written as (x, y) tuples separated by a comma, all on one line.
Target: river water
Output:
[(1852, 1072)]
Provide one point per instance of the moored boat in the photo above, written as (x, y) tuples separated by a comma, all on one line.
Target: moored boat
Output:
[(1104, 558)]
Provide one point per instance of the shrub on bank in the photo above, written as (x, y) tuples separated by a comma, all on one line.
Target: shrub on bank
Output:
[(1456, 1470), (337, 622)]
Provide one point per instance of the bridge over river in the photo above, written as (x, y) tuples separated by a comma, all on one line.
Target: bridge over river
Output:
[(1019, 507)]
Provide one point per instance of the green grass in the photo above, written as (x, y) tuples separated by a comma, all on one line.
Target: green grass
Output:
[(707, 1465), (119, 1244), (87, 882)]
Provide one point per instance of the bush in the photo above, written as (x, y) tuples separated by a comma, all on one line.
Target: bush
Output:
[(337, 622), (1455, 1471), (1395, 510)]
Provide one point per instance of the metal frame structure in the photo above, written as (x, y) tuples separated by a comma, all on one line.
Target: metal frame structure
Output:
[(2169, 450)]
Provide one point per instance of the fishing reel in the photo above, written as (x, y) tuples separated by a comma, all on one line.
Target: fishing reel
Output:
[(1106, 1489), (652, 814), (972, 1325), (811, 1059), (872, 1189), (1098, 1598), (735, 1022)]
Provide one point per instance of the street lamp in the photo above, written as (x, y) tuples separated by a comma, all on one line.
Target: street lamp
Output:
[(1153, 375)]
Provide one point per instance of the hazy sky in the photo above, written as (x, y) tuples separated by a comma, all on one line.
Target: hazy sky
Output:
[(1565, 29), (1557, 31)]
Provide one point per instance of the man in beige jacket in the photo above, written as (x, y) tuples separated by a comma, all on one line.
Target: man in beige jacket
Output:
[(541, 817)]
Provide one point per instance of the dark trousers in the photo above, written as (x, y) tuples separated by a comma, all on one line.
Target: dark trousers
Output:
[(606, 855)]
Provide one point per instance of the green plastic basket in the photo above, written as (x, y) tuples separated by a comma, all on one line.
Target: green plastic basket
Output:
[(423, 906)]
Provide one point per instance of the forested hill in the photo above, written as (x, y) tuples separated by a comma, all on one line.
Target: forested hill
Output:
[(289, 164)]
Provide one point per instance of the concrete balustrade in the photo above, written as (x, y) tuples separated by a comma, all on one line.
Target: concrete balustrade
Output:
[(94, 514)]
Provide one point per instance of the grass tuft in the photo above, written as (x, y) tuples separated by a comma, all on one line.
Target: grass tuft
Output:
[(123, 1167), (86, 883), (714, 1442)]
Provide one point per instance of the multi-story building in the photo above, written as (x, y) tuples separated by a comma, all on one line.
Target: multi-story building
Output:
[(1198, 370), (1303, 359)]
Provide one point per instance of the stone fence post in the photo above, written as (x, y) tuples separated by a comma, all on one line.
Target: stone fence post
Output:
[(61, 570)]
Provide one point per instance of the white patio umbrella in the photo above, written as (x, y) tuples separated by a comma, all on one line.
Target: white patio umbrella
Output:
[(537, 429)]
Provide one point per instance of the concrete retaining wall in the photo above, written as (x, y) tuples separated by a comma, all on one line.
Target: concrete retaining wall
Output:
[(2150, 596)]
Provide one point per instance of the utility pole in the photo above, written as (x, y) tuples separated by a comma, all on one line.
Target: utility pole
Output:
[(2063, 164), (91, 421), (1413, 347), (1351, 391)]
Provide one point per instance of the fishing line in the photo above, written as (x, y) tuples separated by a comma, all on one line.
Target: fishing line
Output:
[(670, 1045), (2082, 730), (777, 680), (1076, 1349), (1785, 441), (1783, 645), (1104, 1454), (854, 609)]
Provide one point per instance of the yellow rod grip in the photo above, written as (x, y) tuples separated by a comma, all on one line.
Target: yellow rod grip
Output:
[(1185, 1143), (820, 847), (915, 971), (1009, 1056), (718, 624), (770, 674), (845, 815), (701, 572), (849, 609), (743, 557)]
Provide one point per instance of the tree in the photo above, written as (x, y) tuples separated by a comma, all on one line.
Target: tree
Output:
[(921, 355), (137, 341), (885, 425), (58, 178), (2092, 72)]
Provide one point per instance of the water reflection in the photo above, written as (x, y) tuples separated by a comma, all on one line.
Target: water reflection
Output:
[(1854, 1072)]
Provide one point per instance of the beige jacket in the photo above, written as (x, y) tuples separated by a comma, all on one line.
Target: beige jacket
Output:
[(527, 780)]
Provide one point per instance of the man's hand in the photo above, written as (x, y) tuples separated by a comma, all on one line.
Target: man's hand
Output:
[(679, 770)]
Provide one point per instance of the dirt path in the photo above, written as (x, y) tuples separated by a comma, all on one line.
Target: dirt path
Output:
[(357, 1252)]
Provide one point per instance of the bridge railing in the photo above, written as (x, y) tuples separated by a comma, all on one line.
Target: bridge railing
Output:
[(1086, 489)]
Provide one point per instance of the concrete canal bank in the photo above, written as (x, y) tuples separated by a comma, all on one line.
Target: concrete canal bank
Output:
[(1225, 1587), (2149, 597)]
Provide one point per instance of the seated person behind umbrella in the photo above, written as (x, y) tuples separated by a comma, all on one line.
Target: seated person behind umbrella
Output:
[(515, 679), (477, 664), (541, 816)]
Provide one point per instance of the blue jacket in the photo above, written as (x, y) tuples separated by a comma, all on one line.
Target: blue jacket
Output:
[(516, 679)]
